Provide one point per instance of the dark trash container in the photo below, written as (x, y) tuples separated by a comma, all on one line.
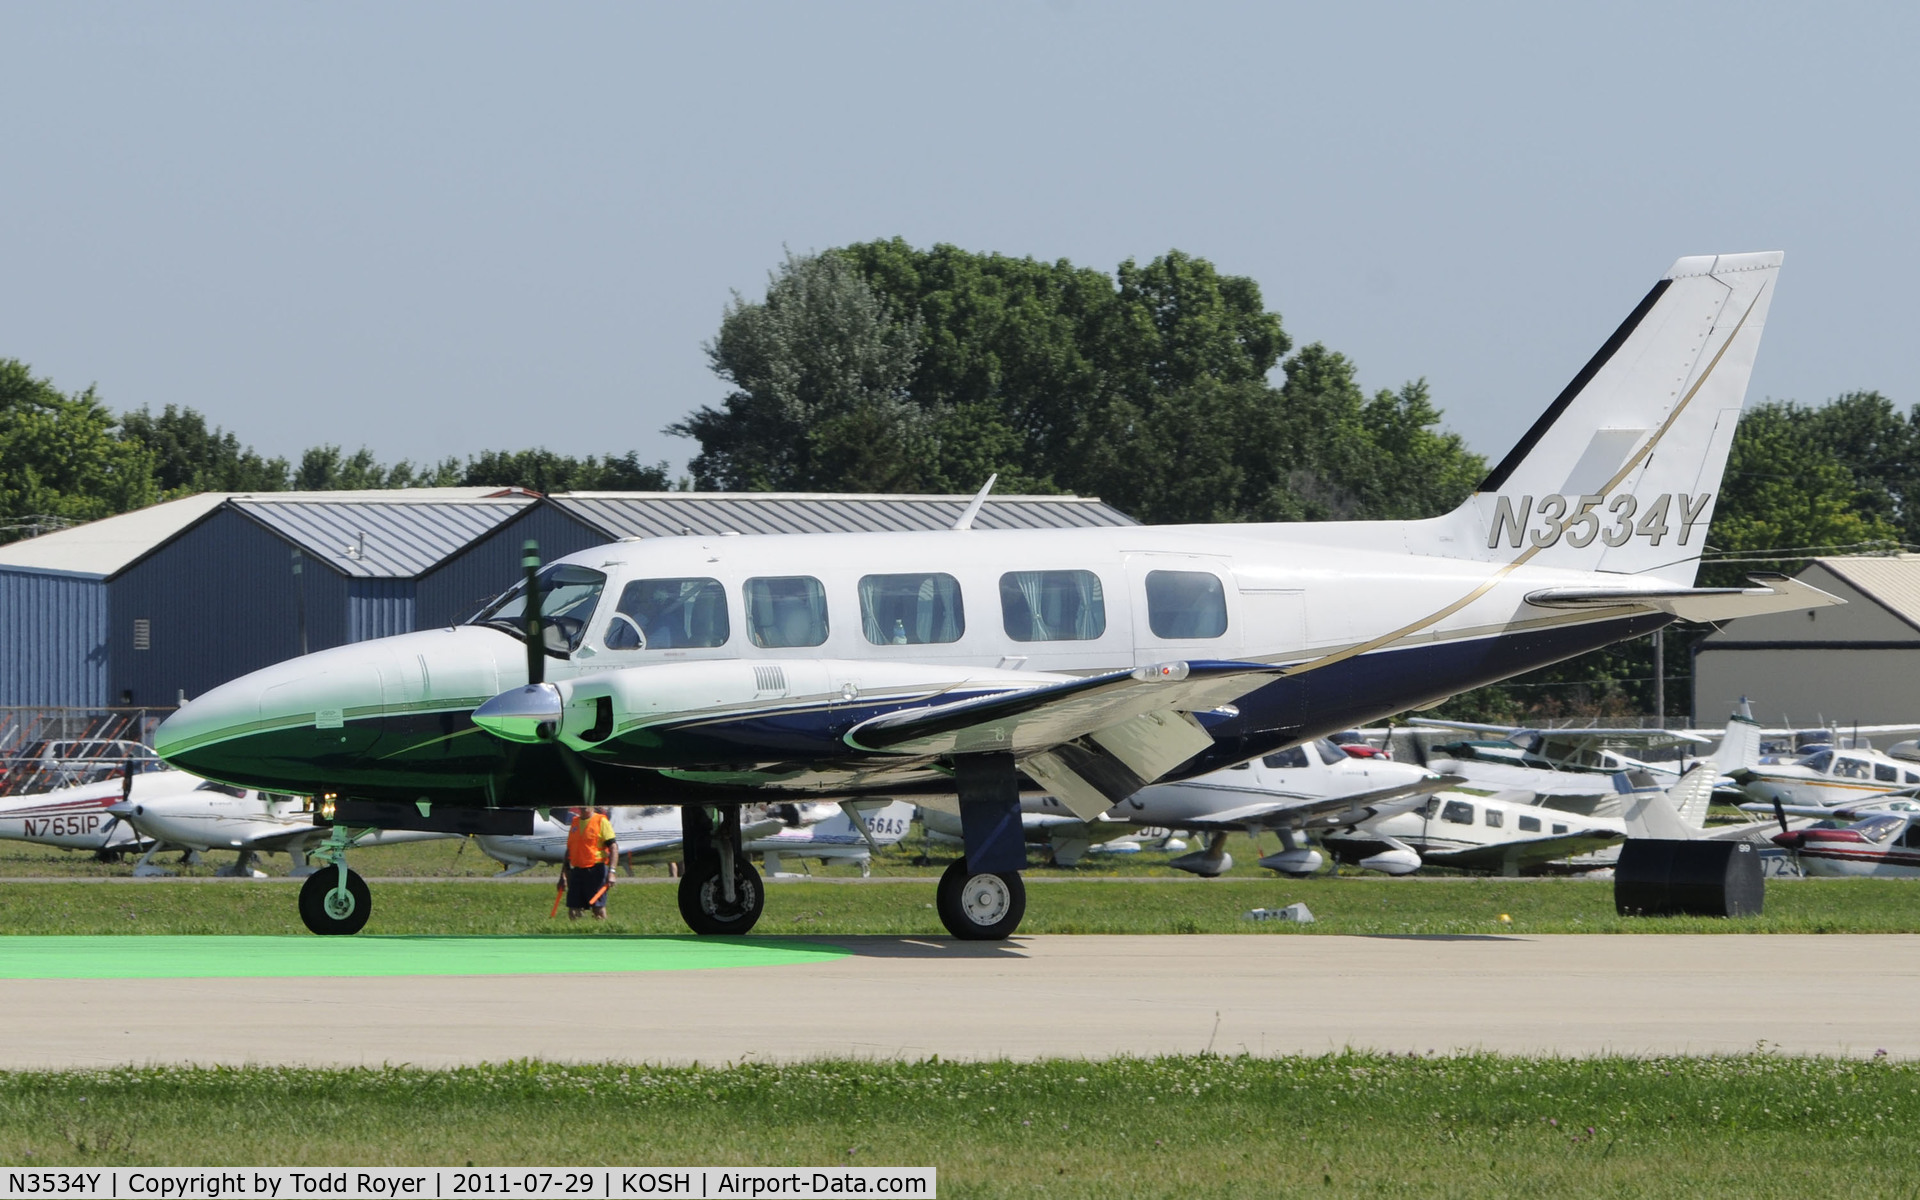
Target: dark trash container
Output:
[(1660, 878)]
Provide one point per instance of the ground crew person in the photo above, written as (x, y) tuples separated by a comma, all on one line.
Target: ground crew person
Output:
[(591, 848)]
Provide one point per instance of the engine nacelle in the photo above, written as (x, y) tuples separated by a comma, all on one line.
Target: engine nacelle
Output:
[(1303, 861), (1393, 862)]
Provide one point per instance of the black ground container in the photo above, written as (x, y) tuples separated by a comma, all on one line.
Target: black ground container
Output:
[(1659, 878)]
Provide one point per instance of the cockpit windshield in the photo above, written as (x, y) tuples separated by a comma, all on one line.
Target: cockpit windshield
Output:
[(568, 595), (1879, 829)]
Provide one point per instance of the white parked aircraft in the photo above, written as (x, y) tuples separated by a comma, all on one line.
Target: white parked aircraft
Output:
[(653, 832), (1294, 792), (1827, 778), (1472, 833), (77, 818), (958, 667), (198, 815)]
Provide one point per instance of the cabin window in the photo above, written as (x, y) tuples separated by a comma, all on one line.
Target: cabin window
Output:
[(1912, 777), (911, 610), (1559, 829), (1242, 766), (1287, 760), (1495, 818), (786, 610), (568, 596), (1459, 812), (1426, 811), (1052, 606), (669, 614), (1886, 773), (1529, 824), (1186, 604), (1850, 768), (1912, 840)]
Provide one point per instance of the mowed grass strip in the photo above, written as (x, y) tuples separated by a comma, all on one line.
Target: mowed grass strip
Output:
[(1751, 1126), (1341, 906)]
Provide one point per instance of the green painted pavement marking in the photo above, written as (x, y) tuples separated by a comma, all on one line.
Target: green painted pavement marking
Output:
[(223, 957)]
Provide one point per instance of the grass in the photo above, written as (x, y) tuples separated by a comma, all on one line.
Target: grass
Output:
[(1756, 1126), (1343, 905)]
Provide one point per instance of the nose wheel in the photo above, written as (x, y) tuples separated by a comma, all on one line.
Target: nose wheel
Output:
[(980, 906), (335, 900)]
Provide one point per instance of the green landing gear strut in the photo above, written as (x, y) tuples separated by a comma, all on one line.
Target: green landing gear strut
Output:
[(334, 899)]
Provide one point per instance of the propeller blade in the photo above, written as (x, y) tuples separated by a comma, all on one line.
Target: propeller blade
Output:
[(1780, 814), (536, 650), (126, 781)]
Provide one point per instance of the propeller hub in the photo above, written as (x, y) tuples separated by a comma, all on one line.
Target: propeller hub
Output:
[(525, 714)]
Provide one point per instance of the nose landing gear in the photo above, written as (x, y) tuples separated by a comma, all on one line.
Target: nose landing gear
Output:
[(334, 899)]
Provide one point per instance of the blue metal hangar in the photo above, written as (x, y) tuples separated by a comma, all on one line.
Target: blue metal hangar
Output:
[(141, 609)]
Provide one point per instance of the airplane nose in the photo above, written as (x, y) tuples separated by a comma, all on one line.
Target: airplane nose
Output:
[(525, 714)]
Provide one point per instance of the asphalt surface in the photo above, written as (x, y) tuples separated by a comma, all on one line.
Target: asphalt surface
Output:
[(1034, 997)]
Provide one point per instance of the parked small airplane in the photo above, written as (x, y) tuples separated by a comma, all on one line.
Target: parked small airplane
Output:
[(1472, 833), (1883, 845), (1826, 778), (957, 668), (194, 814), (78, 817), (1291, 793), (652, 833)]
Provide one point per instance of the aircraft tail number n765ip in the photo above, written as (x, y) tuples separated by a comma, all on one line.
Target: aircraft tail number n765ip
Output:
[(961, 667)]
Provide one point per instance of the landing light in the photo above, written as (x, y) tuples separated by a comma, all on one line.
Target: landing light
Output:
[(1171, 672)]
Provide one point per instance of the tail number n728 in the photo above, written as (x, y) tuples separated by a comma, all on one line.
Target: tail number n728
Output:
[(1581, 519)]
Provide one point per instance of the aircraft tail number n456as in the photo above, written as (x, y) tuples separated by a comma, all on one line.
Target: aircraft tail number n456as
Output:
[(964, 667)]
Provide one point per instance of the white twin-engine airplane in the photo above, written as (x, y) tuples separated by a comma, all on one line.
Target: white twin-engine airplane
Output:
[(959, 668)]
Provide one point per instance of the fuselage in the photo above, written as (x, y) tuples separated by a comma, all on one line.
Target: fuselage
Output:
[(803, 637), (1828, 778)]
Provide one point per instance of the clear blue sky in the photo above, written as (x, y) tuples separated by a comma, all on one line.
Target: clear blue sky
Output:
[(434, 229)]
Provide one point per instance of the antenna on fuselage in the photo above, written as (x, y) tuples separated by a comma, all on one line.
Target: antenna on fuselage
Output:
[(973, 506)]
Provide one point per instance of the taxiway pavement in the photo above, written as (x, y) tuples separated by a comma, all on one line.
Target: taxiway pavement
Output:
[(1086, 996)]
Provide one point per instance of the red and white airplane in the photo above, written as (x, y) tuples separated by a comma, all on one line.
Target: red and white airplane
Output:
[(1884, 845)]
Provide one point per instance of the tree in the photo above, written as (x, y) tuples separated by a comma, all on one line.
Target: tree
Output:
[(820, 402), (60, 458), (188, 457), (544, 471)]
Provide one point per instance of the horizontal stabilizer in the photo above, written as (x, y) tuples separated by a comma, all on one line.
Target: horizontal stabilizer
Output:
[(1776, 593)]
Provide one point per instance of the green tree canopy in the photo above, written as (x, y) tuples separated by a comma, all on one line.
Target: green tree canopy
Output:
[(1148, 387), (61, 457), (188, 457)]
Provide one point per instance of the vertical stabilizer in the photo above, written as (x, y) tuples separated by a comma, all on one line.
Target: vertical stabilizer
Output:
[(1677, 814), (1740, 744), (1622, 471)]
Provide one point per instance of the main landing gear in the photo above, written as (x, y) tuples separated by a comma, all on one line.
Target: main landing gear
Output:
[(981, 897), (334, 899), (720, 892)]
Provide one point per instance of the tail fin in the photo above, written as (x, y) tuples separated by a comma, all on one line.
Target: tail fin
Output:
[(1677, 814), (1740, 744), (1621, 472)]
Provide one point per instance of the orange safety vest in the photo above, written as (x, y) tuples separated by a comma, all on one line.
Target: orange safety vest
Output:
[(586, 841)]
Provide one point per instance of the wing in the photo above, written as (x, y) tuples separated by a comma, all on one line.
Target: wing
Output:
[(1524, 853), (1322, 812), (1091, 742)]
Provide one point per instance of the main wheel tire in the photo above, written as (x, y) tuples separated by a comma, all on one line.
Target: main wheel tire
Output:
[(983, 907), (702, 903), (324, 910)]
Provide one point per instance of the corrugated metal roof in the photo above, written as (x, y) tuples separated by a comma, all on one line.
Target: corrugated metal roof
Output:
[(1892, 581), (108, 546), (385, 536), (666, 514)]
